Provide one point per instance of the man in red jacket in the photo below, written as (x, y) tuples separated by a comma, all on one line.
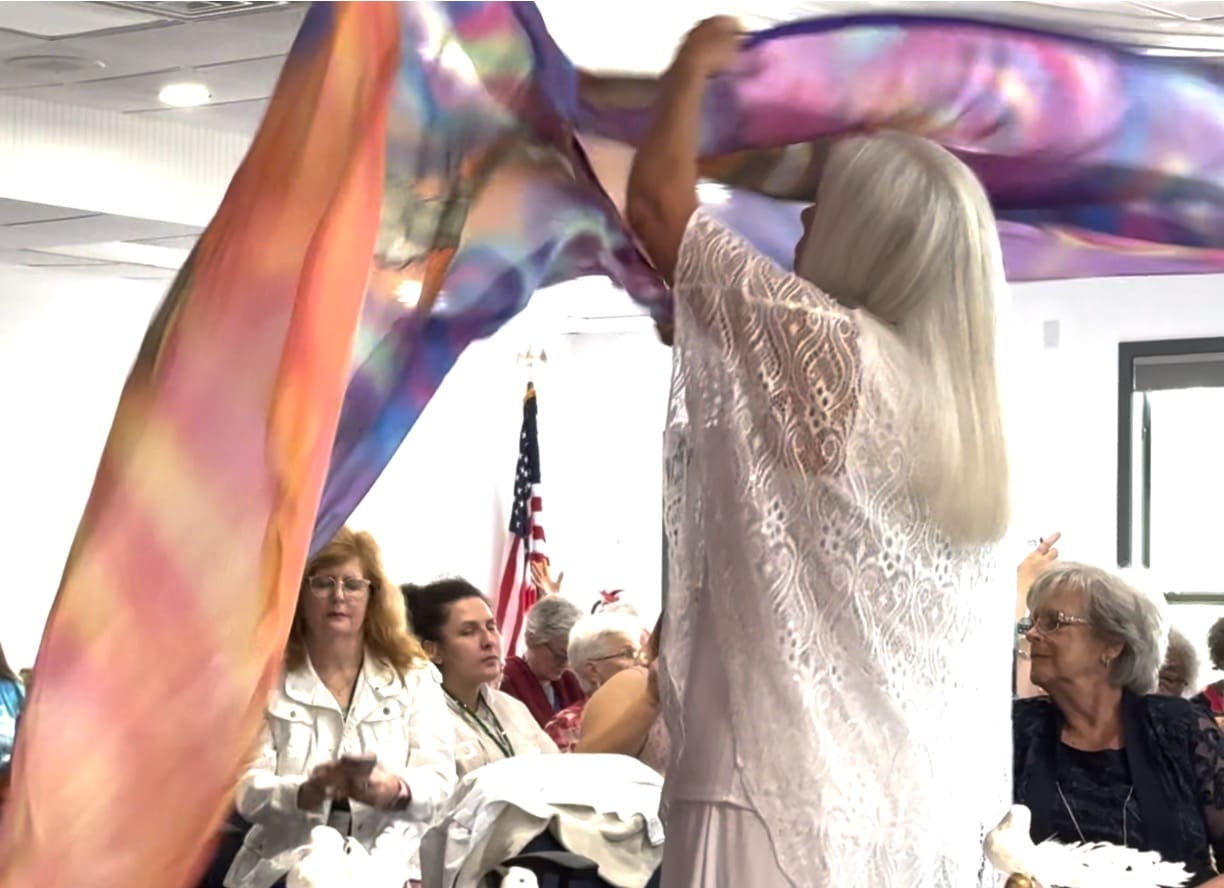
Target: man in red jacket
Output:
[(541, 679)]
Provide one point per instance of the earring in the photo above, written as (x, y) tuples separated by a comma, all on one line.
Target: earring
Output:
[(1105, 661)]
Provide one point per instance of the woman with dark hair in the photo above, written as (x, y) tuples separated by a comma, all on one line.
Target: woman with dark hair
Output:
[(459, 633), (355, 735), (12, 698), (1211, 697)]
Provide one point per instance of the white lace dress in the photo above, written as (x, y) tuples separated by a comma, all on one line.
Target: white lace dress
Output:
[(835, 674)]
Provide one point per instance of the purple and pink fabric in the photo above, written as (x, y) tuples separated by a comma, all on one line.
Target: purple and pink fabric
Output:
[(508, 163)]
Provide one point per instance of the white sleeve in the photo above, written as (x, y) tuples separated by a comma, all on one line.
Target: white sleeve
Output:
[(264, 795), (430, 769)]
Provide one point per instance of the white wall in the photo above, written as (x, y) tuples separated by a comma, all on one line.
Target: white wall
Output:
[(66, 345), (1065, 438)]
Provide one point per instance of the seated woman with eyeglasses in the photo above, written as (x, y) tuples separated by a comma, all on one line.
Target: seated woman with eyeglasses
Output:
[(459, 633), (600, 646), (1102, 758), (623, 718), (541, 678), (357, 734)]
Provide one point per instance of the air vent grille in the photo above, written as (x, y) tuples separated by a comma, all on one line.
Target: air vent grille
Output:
[(197, 9)]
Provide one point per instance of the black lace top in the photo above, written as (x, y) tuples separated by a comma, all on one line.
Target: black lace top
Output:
[(1172, 769), (1095, 796)]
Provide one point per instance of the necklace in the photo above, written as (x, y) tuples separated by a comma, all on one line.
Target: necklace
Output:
[(496, 733), (1130, 792)]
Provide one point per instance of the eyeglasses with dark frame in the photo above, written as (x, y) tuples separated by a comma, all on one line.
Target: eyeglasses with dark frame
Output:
[(1046, 622), (629, 653), (352, 587)]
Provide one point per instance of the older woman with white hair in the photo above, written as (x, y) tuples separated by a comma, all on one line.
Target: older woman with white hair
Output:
[(1101, 758), (541, 678), (600, 646), (836, 653)]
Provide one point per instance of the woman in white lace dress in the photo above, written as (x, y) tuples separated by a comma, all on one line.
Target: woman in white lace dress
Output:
[(839, 631)]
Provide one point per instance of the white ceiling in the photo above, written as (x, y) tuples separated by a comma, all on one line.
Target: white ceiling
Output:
[(110, 57), (116, 57), (37, 236)]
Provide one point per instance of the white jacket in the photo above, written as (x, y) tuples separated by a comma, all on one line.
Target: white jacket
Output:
[(403, 720), (475, 749)]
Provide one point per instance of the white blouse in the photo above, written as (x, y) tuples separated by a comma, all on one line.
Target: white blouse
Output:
[(481, 739), (403, 720), (864, 661)]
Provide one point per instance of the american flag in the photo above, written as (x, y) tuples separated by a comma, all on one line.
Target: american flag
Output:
[(517, 593)]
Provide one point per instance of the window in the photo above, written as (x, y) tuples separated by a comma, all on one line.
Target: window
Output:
[(1171, 474)]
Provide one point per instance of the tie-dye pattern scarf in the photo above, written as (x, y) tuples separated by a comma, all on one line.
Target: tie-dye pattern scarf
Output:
[(171, 618), (1099, 162)]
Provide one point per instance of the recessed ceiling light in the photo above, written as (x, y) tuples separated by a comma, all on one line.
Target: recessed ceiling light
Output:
[(185, 95)]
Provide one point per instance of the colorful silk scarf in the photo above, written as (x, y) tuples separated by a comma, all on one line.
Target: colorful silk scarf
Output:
[(176, 600), (502, 158)]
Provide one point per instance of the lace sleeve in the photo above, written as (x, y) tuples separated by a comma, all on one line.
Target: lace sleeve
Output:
[(1209, 768), (791, 342)]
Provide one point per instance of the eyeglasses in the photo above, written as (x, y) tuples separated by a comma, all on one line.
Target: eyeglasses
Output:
[(628, 653), (353, 587), (1046, 622), (561, 656)]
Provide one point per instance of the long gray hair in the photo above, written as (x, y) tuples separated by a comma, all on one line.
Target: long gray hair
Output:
[(903, 230)]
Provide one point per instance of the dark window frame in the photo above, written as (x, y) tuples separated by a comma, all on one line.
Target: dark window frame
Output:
[(1128, 352)]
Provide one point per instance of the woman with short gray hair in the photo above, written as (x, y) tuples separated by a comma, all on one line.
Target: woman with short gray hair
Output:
[(541, 678), (602, 644), (1102, 758)]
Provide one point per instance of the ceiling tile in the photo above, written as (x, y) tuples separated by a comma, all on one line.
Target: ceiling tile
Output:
[(151, 255), (61, 19), (12, 43), (159, 48), (186, 242), (243, 81), (87, 230), (190, 44), (17, 212), (41, 259)]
